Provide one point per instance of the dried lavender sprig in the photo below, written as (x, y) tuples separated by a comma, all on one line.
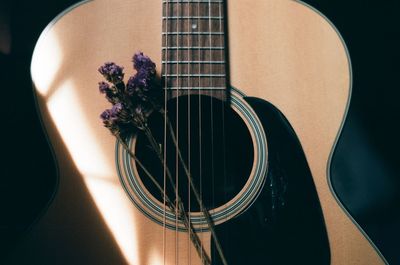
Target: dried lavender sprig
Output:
[(143, 62), (104, 87), (142, 87), (112, 72), (111, 117)]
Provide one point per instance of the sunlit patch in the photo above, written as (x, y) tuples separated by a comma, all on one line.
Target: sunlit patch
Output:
[(46, 61), (115, 209), (97, 172), (76, 133), (155, 258)]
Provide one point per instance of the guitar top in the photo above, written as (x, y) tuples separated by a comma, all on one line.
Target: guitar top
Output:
[(256, 93)]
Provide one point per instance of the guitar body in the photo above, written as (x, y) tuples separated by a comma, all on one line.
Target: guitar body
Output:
[(285, 59)]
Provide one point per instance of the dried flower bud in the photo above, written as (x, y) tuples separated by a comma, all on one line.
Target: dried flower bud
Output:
[(143, 62), (133, 102), (116, 109), (109, 122), (119, 113), (138, 85), (112, 72), (104, 87), (105, 115)]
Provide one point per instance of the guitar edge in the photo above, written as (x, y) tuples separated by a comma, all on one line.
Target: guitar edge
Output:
[(306, 73), (284, 52)]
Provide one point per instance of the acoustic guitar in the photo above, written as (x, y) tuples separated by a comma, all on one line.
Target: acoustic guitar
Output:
[(257, 93)]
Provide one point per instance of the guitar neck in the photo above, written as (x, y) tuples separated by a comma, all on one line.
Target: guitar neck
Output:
[(193, 47)]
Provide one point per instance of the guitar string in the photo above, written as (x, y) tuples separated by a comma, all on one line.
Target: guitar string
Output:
[(223, 103), (177, 132), (177, 117), (199, 29), (222, 44), (165, 128), (190, 28), (210, 42)]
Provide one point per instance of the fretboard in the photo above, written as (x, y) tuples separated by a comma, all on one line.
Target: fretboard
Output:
[(193, 52)]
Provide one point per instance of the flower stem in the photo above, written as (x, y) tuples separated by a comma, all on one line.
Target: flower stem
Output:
[(197, 196), (180, 211), (127, 149), (204, 210)]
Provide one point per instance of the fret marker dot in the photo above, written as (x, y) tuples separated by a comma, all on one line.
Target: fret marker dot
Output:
[(194, 26)]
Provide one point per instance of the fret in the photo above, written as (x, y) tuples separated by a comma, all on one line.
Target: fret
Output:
[(193, 17), (192, 69), (195, 81), (194, 75), (193, 48), (196, 25), (197, 88), (196, 40), (193, 33), (194, 1), (193, 55), (193, 62)]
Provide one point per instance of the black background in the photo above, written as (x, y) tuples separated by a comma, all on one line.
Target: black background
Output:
[(365, 170)]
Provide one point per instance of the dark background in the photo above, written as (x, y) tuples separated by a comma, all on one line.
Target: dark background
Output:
[(365, 170)]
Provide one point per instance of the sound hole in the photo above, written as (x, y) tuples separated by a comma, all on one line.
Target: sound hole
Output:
[(216, 140)]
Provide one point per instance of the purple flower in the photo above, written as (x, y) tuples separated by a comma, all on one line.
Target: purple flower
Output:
[(106, 115), (142, 62), (138, 83), (104, 87), (120, 113), (112, 115), (110, 122), (116, 110), (112, 72)]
